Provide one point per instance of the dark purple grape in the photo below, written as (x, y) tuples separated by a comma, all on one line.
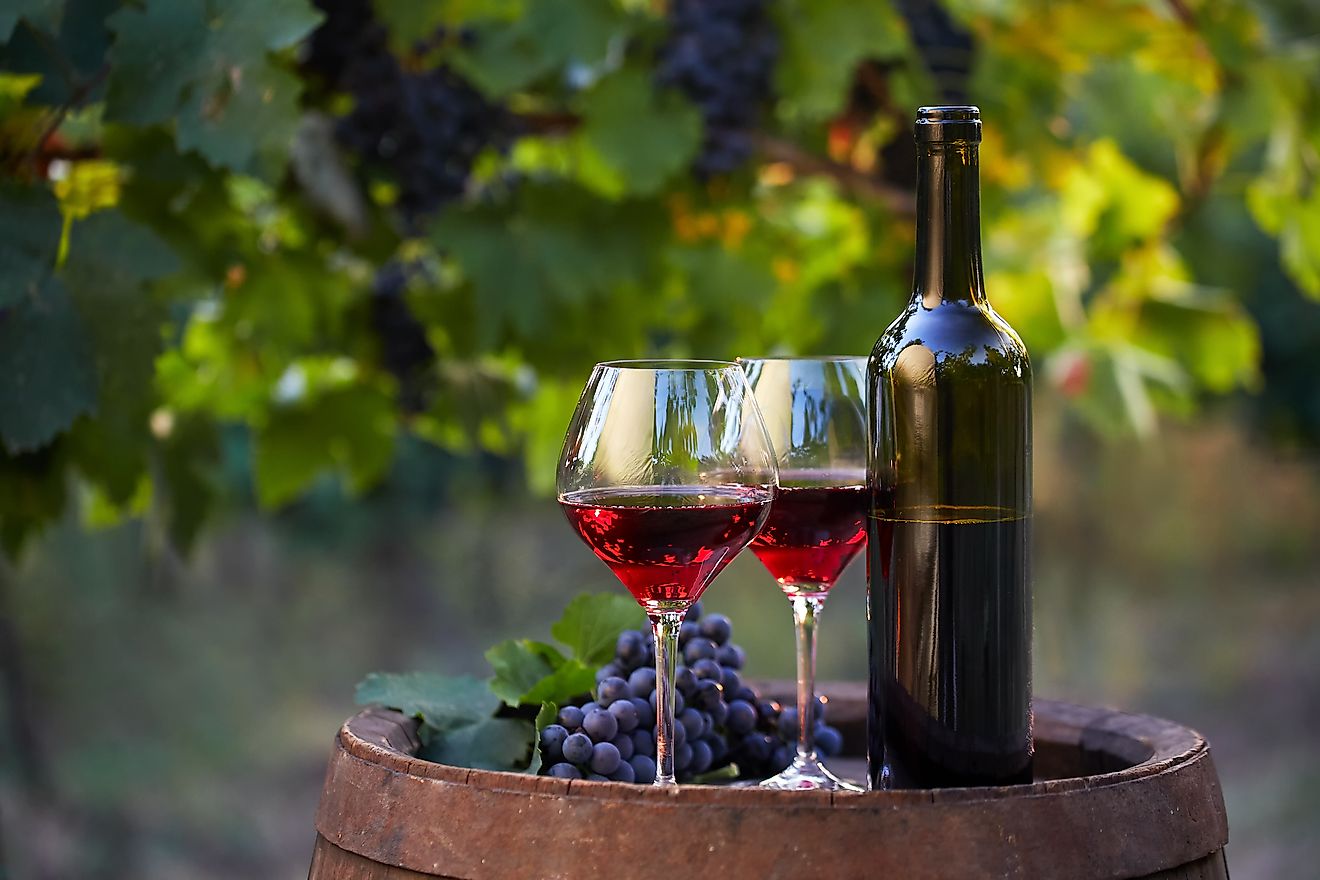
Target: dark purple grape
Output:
[(747, 695), (643, 742), (730, 679), (788, 723), (605, 758), (564, 771), (719, 749), (642, 681), (643, 768), (707, 694), (600, 726), (630, 649), (577, 748), (757, 746), (645, 711), (707, 669), (588, 708), (701, 758), (741, 718), (680, 734), (829, 741), (624, 773), (571, 717), (625, 715), (707, 724), (731, 655), (684, 680), (552, 742), (687, 631), (693, 613), (612, 689), (699, 649), (782, 757), (769, 711), (609, 670), (682, 757), (624, 743), (717, 628), (719, 712), (691, 721)]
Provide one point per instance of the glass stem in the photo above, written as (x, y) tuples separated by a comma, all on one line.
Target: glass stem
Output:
[(805, 611), (664, 627)]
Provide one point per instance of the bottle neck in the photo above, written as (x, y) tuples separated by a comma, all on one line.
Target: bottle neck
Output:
[(948, 266)]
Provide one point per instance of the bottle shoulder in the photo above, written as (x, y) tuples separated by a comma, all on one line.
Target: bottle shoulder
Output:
[(953, 333)]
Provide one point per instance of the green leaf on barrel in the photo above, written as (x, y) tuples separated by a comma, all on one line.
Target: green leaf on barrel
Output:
[(528, 672), (592, 622), (443, 702), (549, 712), (489, 744)]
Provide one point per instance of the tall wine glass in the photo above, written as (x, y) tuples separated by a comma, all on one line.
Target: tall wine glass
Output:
[(815, 410), (667, 473)]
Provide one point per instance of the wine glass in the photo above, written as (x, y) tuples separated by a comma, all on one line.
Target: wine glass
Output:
[(667, 473), (815, 410)]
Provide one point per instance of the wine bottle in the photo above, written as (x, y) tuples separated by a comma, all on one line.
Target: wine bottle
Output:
[(949, 474)]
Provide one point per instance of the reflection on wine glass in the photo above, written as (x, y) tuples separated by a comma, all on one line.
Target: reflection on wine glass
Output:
[(667, 473), (815, 411)]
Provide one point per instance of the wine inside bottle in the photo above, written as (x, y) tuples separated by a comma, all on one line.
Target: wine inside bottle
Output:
[(949, 474)]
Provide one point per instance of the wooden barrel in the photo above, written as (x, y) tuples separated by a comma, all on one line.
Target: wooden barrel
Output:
[(1116, 795)]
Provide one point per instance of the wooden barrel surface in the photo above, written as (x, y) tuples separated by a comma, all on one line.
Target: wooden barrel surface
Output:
[(1116, 795)]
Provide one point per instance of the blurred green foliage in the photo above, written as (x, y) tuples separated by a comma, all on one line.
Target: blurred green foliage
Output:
[(184, 250)]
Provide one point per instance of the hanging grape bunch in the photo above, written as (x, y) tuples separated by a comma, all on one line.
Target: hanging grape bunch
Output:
[(719, 720)]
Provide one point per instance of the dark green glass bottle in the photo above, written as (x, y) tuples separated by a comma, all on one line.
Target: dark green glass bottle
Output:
[(949, 594)]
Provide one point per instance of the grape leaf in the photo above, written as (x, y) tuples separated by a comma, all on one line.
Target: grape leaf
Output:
[(207, 65), (409, 21), (32, 494), (443, 702), (823, 41), (645, 135), (185, 482), (544, 718), (351, 429), (489, 744), (47, 377), (42, 13), (573, 679), (68, 59), (29, 240), (591, 624), (529, 672)]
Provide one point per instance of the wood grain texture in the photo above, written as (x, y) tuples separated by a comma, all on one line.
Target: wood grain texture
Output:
[(1120, 796)]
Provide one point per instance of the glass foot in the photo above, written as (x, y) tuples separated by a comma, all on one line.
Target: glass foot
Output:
[(808, 774)]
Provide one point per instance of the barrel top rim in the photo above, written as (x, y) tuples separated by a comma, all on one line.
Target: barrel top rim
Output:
[(375, 735)]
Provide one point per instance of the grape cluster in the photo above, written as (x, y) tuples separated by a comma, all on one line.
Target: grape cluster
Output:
[(405, 351), (424, 128), (721, 54), (718, 719)]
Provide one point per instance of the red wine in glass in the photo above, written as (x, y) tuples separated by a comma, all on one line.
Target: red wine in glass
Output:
[(816, 526), (667, 543)]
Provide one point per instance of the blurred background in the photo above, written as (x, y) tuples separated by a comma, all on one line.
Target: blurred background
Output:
[(296, 299)]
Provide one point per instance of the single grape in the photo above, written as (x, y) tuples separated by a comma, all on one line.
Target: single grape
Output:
[(731, 680), (577, 748), (707, 669), (768, 710), (731, 655), (698, 649), (701, 758), (588, 708), (680, 735), (691, 721), (747, 695), (788, 723), (630, 649), (707, 724), (782, 757), (717, 628), (707, 694), (600, 725), (564, 771), (624, 743), (642, 681), (605, 758), (693, 612), (719, 749), (625, 715), (609, 670), (643, 768), (596, 777), (643, 742), (645, 712), (757, 747), (719, 712), (828, 740), (682, 757), (741, 718), (685, 680), (571, 717), (610, 690), (687, 630), (552, 741), (624, 773)]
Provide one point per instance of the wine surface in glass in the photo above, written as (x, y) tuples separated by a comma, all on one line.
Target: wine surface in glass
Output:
[(816, 526), (667, 543)]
